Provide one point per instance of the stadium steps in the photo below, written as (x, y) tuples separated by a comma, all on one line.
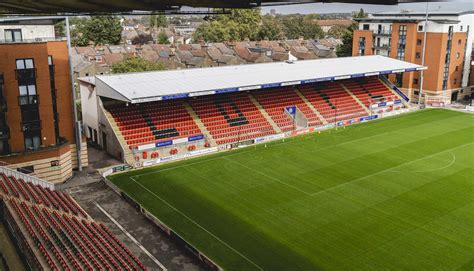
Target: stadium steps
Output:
[(356, 99), (265, 114), (310, 105), (128, 155), (199, 123), (405, 103)]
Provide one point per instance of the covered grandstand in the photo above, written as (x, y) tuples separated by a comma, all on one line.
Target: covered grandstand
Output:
[(153, 117)]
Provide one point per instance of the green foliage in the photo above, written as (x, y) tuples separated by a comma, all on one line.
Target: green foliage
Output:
[(296, 26), (163, 38), (156, 21), (136, 64), (98, 30), (60, 29), (238, 25), (104, 30), (360, 14), (270, 28), (243, 24), (79, 32), (345, 49), (338, 31)]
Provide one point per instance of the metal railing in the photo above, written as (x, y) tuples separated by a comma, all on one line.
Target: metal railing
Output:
[(383, 32), (27, 178), (35, 40)]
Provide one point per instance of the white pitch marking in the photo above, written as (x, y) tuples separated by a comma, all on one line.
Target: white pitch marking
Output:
[(453, 160), (388, 169), (197, 224), (268, 176), (131, 237)]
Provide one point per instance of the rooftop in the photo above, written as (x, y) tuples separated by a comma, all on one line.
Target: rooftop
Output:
[(163, 85)]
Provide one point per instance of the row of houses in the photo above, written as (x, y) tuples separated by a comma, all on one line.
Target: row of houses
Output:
[(93, 60)]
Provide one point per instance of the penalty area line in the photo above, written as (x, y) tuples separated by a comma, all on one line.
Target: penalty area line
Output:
[(390, 169)]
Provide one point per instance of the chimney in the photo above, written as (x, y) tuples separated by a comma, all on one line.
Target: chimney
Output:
[(172, 49), (202, 42)]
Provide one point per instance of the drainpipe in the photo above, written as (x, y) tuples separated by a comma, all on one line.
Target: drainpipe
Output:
[(77, 124), (422, 78)]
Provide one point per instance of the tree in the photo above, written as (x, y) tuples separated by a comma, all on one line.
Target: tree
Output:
[(270, 28), (296, 26), (59, 29), (163, 38), (360, 14), (79, 33), (338, 31), (345, 49), (136, 64), (104, 30), (237, 25), (142, 39), (157, 21)]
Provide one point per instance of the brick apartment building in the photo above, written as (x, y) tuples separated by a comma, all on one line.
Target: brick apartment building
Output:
[(36, 111), (448, 49)]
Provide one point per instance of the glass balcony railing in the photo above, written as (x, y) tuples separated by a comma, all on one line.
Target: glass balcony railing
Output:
[(35, 40), (383, 32), (28, 100)]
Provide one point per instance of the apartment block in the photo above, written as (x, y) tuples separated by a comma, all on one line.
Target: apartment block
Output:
[(449, 38), (36, 111)]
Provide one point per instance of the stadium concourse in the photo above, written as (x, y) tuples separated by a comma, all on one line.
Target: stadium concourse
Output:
[(53, 232), (148, 118)]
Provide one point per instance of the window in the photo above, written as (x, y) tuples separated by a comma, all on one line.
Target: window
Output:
[(418, 55), (32, 142), (12, 35), (460, 28), (366, 27), (419, 42), (456, 69), (455, 81), (26, 170), (420, 28), (22, 64), (28, 95), (50, 60), (459, 42), (458, 55), (402, 33), (415, 81)]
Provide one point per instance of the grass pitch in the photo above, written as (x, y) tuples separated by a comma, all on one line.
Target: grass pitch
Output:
[(392, 194)]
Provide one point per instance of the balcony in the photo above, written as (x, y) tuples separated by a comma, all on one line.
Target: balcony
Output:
[(382, 33), (35, 40), (382, 46), (28, 100), (26, 76), (3, 105), (4, 133), (29, 126)]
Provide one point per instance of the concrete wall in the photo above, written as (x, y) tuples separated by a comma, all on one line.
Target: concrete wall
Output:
[(30, 32)]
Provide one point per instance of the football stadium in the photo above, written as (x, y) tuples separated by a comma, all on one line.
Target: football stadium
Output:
[(125, 148), (302, 165)]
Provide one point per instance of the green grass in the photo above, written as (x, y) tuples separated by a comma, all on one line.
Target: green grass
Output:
[(392, 194)]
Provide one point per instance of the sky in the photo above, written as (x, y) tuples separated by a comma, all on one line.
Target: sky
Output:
[(455, 5)]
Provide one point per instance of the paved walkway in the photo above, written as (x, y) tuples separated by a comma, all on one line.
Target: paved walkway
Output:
[(89, 191)]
